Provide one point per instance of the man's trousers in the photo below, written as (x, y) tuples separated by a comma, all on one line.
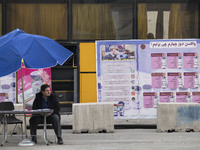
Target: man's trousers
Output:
[(53, 119)]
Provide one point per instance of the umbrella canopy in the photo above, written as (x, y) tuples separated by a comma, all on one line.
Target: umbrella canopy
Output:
[(35, 50)]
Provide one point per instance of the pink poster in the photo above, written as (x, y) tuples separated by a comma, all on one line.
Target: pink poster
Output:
[(196, 97), (173, 80), (157, 80), (174, 60), (183, 97), (158, 61), (32, 79), (149, 99), (189, 79), (189, 59), (166, 97)]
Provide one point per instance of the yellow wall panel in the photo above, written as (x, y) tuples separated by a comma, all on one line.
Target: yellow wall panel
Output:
[(87, 57), (88, 89)]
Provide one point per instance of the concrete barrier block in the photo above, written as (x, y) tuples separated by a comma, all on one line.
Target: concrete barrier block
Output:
[(178, 117), (93, 117)]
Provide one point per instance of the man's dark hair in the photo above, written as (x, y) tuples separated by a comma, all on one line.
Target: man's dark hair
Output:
[(43, 87)]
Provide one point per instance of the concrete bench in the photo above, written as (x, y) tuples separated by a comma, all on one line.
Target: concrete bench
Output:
[(93, 117), (183, 117)]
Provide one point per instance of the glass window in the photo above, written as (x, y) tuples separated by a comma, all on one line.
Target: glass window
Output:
[(167, 20), (39, 18), (108, 20)]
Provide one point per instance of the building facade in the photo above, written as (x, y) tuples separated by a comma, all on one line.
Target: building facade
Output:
[(77, 24)]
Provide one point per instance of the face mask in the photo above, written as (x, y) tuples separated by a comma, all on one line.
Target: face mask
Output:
[(120, 107), (125, 56)]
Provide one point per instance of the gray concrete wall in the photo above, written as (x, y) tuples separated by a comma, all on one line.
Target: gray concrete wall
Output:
[(93, 117), (178, 117)]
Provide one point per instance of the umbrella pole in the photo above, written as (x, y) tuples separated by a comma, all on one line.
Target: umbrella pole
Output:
[(26, 141), (23, 102)]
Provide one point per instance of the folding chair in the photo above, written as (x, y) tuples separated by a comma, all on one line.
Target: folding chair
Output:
[(11, 119)]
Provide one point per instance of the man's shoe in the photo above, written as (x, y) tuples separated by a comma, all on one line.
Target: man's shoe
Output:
[(60, 141), (34, 139)]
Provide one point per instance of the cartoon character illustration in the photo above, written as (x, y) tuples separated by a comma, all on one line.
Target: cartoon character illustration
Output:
[(115, 110), (121, 108), (163, 61), (196, 62), (164, 81), (179, 61)]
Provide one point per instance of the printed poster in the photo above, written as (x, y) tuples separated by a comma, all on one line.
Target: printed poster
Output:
[(32, 81), (137, 74), (117, 77), (170, 70)]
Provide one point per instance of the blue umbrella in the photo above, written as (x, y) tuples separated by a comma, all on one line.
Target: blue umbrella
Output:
[(35, 50)]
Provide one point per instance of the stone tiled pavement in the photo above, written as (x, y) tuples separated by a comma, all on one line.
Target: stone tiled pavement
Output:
[(121, 139)]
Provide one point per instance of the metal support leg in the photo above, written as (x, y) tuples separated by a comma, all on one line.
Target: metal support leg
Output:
[(22, 129), (45, 131), (13, 129), (5, 129)]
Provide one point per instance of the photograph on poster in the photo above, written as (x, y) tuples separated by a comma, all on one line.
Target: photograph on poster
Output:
[(118, 52)]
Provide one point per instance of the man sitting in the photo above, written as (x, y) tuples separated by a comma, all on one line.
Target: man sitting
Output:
[(46, 100)]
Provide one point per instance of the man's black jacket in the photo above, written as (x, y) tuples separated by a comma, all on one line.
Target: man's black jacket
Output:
[(52, 103)]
